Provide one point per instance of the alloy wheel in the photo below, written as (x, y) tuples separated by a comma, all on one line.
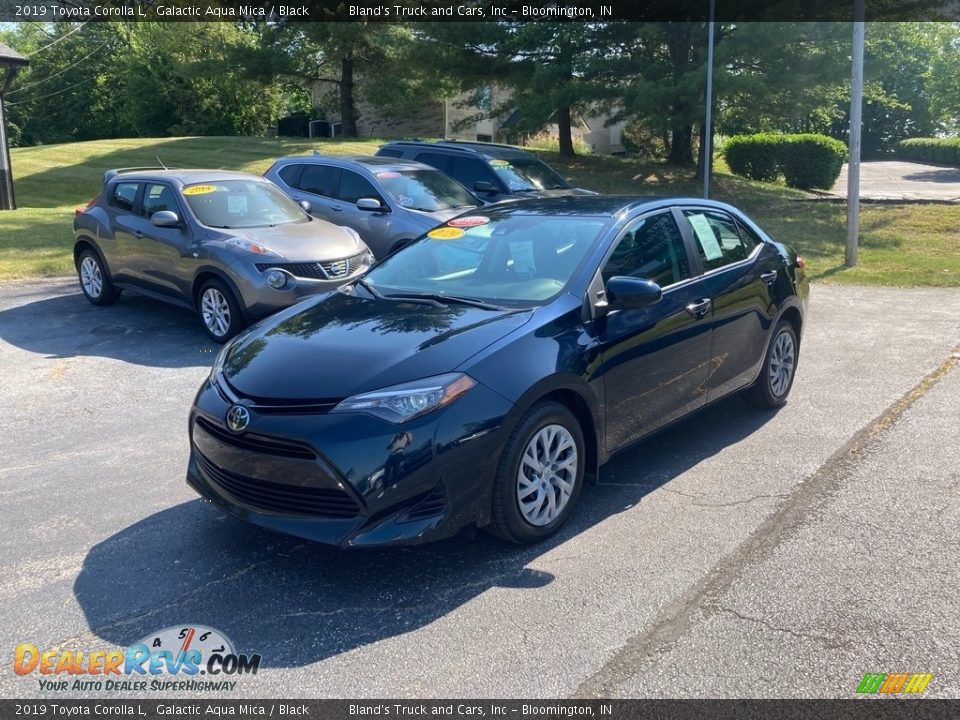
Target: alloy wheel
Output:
[(782, 360), (90, 277), (215, 312), (547, 475)]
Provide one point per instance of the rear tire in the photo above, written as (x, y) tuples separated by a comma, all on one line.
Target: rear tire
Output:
[(539, 476), (219, 311), (778, 371), (95, 281)]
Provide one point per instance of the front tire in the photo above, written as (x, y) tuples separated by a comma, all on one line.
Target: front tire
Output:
[(779, 368), (219, 311), (95, 281), (539, 476)]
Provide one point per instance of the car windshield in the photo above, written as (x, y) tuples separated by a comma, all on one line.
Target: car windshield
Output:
[(427, 190), (527, 174), (502, 258), (241, 204)]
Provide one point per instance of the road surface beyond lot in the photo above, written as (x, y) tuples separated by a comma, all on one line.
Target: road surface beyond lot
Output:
[(741, 553)]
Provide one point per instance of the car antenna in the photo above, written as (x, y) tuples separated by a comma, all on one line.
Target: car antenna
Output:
[(317, 153), (161, 162)]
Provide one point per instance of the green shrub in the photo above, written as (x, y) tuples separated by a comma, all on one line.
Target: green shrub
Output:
[(806, 161), (944, 151), (812, 161), (757, 157)]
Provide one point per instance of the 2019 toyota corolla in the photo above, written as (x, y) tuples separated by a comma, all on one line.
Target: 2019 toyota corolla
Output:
[(481, 375)]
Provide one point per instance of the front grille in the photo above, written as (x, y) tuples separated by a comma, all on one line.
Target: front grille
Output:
[(278, 498), (329, 270), (258, 443), (432, 505)]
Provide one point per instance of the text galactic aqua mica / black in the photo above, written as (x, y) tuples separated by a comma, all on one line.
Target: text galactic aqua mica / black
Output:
[(480, 375)]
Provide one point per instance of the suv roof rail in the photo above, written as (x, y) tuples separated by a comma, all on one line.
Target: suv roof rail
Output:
[(119, 171)]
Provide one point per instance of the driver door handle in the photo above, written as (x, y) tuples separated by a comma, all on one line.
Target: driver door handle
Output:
[(769, 277), (699, 308)]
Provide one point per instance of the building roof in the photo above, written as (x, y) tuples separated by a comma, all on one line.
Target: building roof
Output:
[(9, 56)]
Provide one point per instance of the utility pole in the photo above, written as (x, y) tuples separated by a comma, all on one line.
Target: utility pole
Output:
[(856, 120), (708, 119)]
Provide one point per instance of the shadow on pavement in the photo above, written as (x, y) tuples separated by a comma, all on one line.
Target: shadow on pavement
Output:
[(135, 330), (296, 602)]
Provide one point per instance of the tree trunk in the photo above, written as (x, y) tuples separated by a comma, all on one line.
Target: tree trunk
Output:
[(681, 145), (564, 132), (348, 110)]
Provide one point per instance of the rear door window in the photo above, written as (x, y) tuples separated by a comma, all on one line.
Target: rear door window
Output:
[(124, 195), (320, 180), (290, 174), (469, 171), (717, 238), (437, 160)]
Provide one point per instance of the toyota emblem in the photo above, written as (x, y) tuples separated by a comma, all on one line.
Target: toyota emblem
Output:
[(238, 417)]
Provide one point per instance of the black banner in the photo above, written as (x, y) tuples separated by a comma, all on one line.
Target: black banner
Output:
[(471, 10), (866, 709)]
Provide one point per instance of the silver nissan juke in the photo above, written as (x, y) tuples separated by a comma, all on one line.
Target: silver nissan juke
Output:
[(228, 245)]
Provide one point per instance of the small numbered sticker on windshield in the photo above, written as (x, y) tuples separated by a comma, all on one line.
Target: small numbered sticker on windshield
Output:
[(199, 189), (446, 233)]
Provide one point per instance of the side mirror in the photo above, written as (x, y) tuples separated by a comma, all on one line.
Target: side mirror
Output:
[(626, 293), (307, 207), (484, 186), (165, 218), (369, 204)]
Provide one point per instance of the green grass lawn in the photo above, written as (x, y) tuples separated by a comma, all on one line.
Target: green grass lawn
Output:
[(905, 245)]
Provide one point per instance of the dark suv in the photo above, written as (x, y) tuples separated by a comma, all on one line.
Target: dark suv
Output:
[(494, 172)]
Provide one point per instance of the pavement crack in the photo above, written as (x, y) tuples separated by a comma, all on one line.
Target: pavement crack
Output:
[(740, 502), (826, 641), (680, 615)]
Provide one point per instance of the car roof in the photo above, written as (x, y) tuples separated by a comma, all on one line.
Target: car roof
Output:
[(488, 150), (374, 163), (184, 177), (599, 205)]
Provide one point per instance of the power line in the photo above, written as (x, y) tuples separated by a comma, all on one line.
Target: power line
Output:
[(61, 72), (42, 97), (62, 37)]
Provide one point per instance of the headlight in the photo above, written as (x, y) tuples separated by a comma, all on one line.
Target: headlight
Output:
[(404, 402), (276, 279), (244, 244)]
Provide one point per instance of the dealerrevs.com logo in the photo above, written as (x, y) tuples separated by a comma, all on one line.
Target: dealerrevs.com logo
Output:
[(197, 658), (894, 683)]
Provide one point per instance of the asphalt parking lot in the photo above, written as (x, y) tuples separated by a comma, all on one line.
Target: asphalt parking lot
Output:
[(741, 553)]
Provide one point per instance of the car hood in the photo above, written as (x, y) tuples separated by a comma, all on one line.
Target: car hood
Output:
[(312, 241), (338, 345), (558, 192)]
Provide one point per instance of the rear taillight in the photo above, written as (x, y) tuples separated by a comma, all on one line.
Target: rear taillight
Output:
[(801, 263), (81, 211)]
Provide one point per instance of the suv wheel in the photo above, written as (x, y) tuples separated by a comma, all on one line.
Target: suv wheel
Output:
[(218, 310), (94, 280)]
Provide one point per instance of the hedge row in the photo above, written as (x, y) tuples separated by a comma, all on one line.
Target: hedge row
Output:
[(806, 161), (945, 151)]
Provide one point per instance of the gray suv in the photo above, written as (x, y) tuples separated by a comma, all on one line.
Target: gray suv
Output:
[(494, 172), (229, 245), (389, 202)]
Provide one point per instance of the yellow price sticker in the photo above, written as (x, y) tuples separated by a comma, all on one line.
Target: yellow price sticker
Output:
[(446, 233), (199, 189)]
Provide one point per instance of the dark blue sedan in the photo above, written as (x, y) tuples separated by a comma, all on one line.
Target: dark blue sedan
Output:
[(480, 376)]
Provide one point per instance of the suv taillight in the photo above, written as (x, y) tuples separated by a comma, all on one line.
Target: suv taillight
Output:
[(80, 211)]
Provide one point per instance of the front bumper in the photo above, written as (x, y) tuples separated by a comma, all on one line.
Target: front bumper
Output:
[(349, 480)]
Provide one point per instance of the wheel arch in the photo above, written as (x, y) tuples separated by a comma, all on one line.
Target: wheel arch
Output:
[(211, 273), (85, 242)]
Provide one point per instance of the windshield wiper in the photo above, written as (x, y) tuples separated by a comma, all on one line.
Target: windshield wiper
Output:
[(377, 295), (441, 299)]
